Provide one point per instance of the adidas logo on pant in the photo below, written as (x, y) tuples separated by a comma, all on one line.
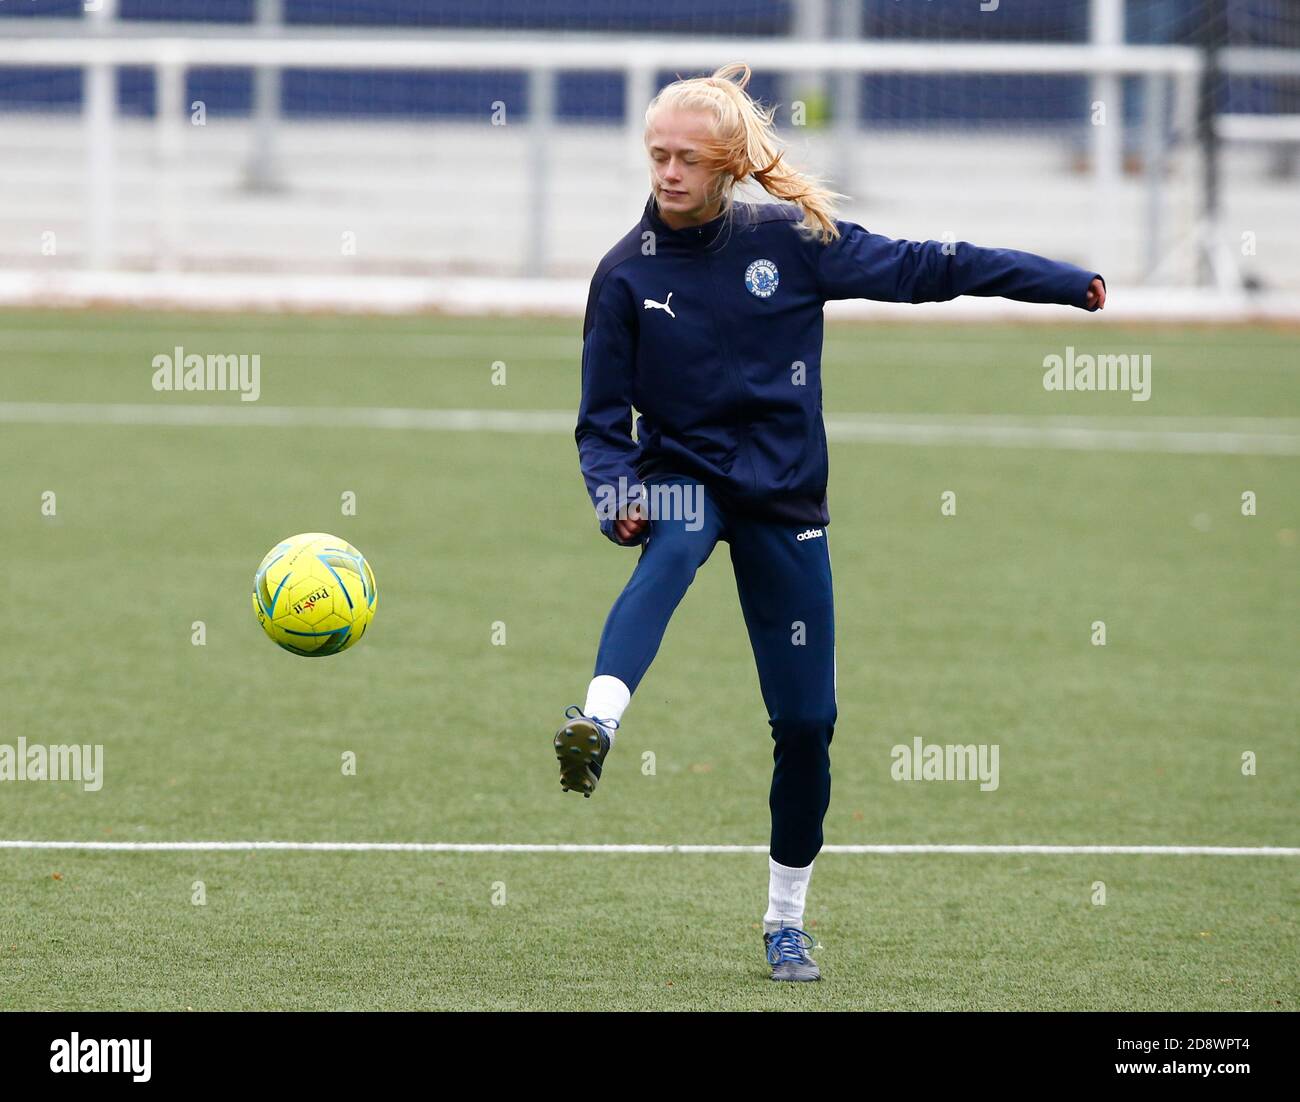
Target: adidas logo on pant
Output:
[(810, 534)]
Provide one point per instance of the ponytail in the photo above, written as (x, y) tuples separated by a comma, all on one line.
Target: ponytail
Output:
[(745, 145)]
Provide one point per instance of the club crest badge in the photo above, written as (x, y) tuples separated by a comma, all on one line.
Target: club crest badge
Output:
[(761, 278)]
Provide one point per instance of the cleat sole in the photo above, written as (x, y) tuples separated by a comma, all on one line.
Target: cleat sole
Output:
[(577, 748)]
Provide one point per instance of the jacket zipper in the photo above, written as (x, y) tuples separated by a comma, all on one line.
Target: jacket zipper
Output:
[(734, 372)]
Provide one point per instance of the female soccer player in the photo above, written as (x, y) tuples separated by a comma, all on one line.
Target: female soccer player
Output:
[(707, 317)]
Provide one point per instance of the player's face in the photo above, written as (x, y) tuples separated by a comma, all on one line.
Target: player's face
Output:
[(683, 187)]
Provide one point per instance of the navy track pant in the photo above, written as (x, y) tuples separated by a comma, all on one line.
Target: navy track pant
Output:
[(783, 578)]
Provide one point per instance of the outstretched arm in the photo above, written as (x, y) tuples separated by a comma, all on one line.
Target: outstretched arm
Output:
[(606, 449), (860, 264)]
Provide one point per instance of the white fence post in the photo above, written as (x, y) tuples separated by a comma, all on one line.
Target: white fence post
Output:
[(99, 115), (810, 22), (266, 103), (1154, 141), (1106, 28), (541, 133), (169, 134), (847, 105), (638, 90)]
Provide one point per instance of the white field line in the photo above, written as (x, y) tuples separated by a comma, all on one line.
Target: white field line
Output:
[(467, 348), (1062, 434), (477, 296), (1190, 436), (525, 847), (250, 415)]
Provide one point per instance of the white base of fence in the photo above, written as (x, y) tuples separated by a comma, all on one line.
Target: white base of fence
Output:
[(561, 297)]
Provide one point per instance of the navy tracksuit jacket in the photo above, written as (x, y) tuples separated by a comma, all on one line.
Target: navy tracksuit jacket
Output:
[(711, 369), (707, 332)]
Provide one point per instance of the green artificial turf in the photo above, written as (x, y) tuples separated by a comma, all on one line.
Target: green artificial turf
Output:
[(972, 628)]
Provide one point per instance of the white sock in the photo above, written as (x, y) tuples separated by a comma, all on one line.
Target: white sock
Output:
[(786, 890), (607, 698)]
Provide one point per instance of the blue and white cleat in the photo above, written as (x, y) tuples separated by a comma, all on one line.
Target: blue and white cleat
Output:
[(787, 953), (580, 746)]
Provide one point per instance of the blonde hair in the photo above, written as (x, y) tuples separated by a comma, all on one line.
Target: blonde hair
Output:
[(745, 145)]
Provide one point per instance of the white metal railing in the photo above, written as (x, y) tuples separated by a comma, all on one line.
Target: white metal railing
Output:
[(297, 48), (542, 57), (101, 43)]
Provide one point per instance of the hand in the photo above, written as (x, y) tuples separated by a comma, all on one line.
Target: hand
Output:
[(1096, 299), (628, 527)]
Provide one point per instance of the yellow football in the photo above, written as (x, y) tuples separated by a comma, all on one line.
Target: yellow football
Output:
[(314, 594)]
